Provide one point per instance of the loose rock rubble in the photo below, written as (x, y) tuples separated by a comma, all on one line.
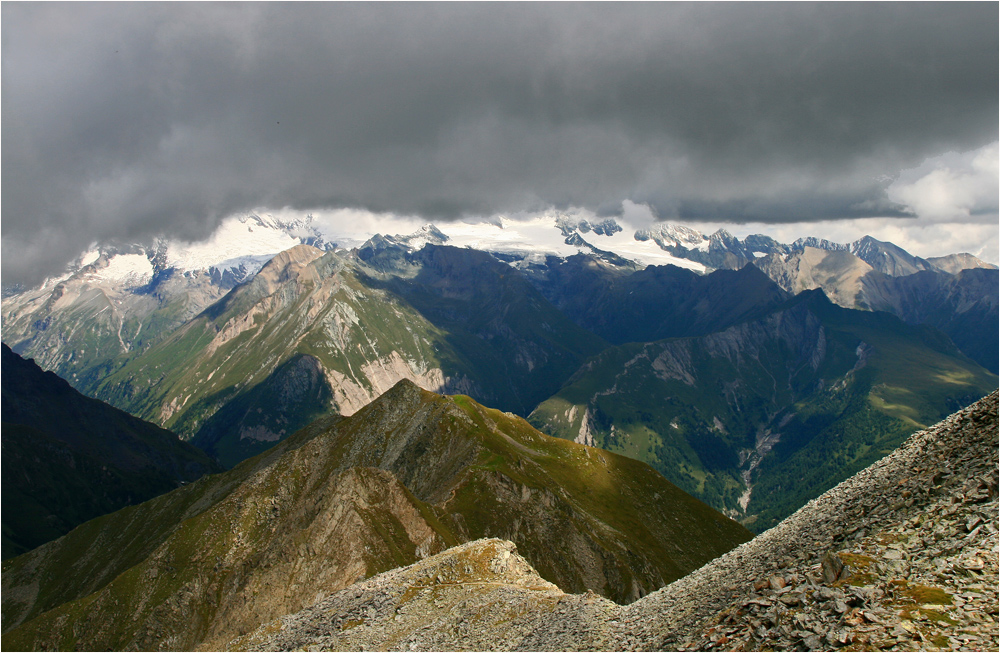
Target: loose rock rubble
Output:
[(480, 595), (902, 556), (927, 582)]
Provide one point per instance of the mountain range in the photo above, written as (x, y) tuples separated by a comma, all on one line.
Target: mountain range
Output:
[(762, 416), (899, 556), (344, 384), (235, 367), (118, 300), (314, 332)]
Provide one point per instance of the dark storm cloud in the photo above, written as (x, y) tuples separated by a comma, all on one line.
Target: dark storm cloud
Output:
[(128, 120)]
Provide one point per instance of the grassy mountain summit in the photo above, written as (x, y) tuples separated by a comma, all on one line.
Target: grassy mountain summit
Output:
[(68, 458), (343, 499), (761, 417)]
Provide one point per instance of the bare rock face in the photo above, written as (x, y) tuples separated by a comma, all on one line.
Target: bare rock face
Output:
[(901, 556), (838, 272)]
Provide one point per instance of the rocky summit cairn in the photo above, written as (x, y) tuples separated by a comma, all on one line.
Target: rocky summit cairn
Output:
[(902, 556)]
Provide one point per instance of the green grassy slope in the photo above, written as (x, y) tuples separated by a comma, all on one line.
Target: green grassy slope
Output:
[(406, 476)]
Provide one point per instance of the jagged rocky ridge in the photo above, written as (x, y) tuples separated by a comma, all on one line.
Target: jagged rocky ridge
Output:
[(405, 477), (901, 556)]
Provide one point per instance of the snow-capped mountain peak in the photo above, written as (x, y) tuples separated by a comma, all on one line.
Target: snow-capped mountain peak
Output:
[(242, 244), (425, 234)]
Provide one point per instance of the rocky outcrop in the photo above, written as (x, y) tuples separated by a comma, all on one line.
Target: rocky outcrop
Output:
[(837, 272), (900, 556), (477, 596)]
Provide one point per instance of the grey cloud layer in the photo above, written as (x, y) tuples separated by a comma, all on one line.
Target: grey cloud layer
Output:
[(127, 120)]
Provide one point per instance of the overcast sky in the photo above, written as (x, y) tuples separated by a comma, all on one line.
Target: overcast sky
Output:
[(129, 120)]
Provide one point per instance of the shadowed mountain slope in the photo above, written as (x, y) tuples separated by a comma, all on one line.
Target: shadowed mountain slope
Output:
[(763, 416), (520, 345), (68, 458), (622, 304), (403, 478), (963, 305)]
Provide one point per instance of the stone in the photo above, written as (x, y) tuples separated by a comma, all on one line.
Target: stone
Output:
[(833, 567), (839, 637), (813, 643), (973, 564), (791, 599)]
